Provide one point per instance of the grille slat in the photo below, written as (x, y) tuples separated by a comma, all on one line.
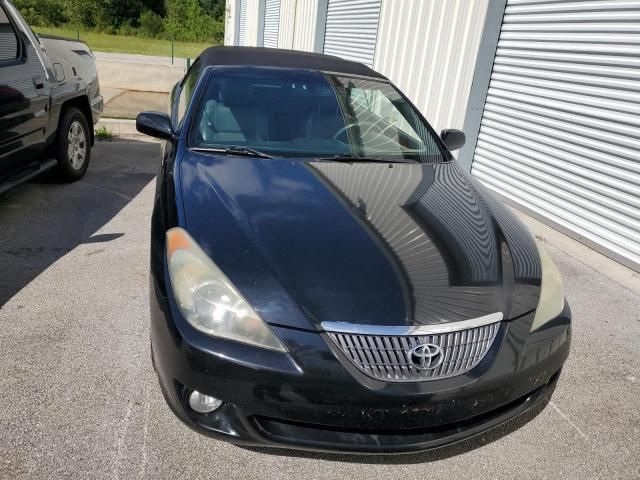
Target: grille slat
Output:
[(387, 357)]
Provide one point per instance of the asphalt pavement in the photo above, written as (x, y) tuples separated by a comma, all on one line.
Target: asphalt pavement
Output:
[(79, 398)]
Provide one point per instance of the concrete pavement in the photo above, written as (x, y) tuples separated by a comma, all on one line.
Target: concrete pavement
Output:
[(79, 398), (126, 104)]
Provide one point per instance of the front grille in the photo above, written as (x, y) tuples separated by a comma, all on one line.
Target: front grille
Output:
[(395, 358)]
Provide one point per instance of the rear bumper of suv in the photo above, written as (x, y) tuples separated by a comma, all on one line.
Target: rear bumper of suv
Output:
[(308, 399)]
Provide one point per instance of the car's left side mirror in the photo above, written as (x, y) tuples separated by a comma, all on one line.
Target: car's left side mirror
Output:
[(453, 139), (155, 124)]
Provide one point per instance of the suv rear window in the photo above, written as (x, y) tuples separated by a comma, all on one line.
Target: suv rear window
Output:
[(8, 39)]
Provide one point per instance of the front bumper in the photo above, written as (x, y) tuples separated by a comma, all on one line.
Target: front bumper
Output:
[(308, 399), (97, 107)]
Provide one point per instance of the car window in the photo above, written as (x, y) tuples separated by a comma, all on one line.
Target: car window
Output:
[(382, 121), (186, 91), (8, 40), (300, 113)]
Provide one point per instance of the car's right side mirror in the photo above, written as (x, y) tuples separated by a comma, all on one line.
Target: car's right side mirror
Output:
[(155, 124), (453, 139)]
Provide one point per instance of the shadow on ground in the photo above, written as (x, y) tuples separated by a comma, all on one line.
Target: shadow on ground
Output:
[(43, 220)]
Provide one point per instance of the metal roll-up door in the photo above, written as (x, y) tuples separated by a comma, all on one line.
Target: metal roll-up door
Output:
[(242, 31), (351, 29), (560, 131), (271, 23)]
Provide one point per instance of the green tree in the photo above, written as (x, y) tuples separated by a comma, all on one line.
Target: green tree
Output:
[(151, 25), (187, 21), (82, 13), (41, 12)]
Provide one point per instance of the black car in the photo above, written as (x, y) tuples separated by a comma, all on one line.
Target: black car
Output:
[(325, 276), (49, 100)]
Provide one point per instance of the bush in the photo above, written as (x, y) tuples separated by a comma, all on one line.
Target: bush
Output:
[(127, 29), (187, 21), (46, 13), (151, 25)]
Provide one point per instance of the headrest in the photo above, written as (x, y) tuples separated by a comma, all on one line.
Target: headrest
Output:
[(235, 91)]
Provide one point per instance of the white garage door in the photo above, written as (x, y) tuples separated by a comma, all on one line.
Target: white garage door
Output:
[(271, 23), (351, 29), (242, 35), (560, 132)]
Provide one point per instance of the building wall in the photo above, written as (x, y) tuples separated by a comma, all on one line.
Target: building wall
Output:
[(287, 23), (230, 24), (428, 48), (306, 14), (253, 20)]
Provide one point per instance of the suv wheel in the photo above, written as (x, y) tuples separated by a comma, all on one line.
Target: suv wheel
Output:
[(73, 145)]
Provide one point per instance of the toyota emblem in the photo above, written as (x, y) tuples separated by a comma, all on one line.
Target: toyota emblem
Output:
[(426, 356)]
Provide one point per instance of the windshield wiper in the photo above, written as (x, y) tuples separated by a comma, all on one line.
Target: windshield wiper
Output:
[(350, 158), (233, 150)]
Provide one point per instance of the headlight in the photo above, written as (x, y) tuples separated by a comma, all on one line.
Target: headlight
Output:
[(207, 298), (551, 303)]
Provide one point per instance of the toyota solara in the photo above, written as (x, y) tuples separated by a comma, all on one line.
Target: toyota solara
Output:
[(325, 275)]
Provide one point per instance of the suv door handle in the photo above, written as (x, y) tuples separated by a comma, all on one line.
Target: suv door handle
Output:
[(38, 82)]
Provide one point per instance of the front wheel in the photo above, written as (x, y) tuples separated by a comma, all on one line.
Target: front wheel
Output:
[(73, 145)]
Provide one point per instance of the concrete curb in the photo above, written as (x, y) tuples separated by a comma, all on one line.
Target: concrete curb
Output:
[(123, 130), (119, 127)]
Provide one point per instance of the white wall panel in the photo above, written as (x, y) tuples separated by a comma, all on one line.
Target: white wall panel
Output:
[(305, 25), (271, 23), (230, 27), (252, 23), (287, 23), (560, 131), (428, 48), (351, 29)]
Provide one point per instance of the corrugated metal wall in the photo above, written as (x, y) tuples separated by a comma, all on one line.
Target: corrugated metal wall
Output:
[(428, 48), (242, 36), (253, 20), (305, 25), (287, 23), (351, 29), (271, 23), (560, 133)]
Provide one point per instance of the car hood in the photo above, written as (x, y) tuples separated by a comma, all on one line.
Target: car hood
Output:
[(364, 243)]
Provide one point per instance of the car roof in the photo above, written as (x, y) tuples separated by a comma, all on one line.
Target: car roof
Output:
[(277, 57)]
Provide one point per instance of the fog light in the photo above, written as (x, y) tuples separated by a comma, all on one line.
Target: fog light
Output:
[(202, 403)]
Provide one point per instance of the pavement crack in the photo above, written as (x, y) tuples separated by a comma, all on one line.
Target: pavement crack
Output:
[(568, 420), (120, 441), (145, 431)]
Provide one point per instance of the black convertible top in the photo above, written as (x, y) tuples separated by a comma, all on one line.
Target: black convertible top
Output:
[(276, 57)]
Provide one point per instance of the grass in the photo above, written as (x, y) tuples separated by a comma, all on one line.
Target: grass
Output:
[(103, 133), (104, 42)]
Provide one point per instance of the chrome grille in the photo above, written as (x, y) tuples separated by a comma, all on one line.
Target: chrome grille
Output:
[(388, 357)]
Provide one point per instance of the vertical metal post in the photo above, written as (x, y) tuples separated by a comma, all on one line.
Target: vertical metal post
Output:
[(188, 63), (481, 79), (78, 34), (172, 51)]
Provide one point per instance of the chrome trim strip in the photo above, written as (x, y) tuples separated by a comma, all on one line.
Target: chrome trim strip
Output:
[(344, 327)]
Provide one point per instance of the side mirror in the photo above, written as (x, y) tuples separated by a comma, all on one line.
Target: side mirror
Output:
[(453, 139), (155, 124)]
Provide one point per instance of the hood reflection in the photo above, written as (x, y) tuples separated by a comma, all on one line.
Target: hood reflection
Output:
[(439, 236)]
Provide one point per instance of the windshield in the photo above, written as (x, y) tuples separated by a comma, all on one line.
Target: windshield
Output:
[(299, 113)]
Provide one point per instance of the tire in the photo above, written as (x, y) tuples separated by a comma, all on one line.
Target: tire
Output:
[(73, 145)]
